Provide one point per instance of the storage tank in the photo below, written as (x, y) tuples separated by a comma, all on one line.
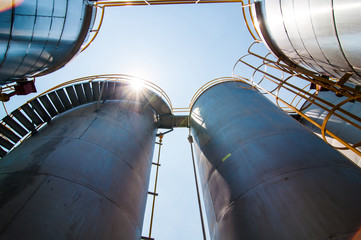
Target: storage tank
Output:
[(265, 176), (40, 36), (85, 174), (347, 131), (321, 36)]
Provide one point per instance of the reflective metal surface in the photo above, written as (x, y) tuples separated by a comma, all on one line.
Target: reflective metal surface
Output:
[(265, 176), (321, 36), (335, 124), (40, 36), (83, 176)]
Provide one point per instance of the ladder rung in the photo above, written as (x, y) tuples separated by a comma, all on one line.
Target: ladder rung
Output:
[(152, 193), (40, 110), (32, 115), (73, 98), (146, 238), (14, 125), (88, 92), (47, 104), (80, 93), (9, 134), (24, 120), (64, 99), (5, 143), (157, 164)]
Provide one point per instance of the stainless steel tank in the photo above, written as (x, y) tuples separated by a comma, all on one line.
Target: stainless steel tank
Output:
[(321, 36), (265, 176), (41, 36), (85, 175)]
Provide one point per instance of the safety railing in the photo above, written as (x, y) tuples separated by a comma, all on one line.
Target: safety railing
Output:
[(102, 5), (296, 91), (38, 111)]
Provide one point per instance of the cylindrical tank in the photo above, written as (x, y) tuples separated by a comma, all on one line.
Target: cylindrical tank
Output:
[(83, 176), (265, 176), (335, 124), (321, 36), (41, 36)]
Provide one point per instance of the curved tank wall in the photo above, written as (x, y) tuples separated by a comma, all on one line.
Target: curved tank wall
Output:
[(321, 36), (41, 36), (83, 176), (336, 125), (265, 176)]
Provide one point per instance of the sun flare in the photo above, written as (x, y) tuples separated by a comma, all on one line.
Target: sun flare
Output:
[(8, 4), (137, 85)]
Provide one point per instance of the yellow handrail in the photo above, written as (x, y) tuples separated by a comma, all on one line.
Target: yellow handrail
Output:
[(280, 77), (112, 77), (103, 4)]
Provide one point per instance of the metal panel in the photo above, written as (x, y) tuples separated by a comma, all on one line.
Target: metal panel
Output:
[(14, 125), (80, 93), (111, 89), (347, 20), (73, 98), (64, 99), (271, 11), (9, 134), (40, 110), (88, 92), (56, 101), (290, 24), (40, 36), (47, 104), (96, 91), (24, 121), (2, 152), (84, 176), (320, 36), (267, 176), (302, 13), (5, 143), (31, 113)]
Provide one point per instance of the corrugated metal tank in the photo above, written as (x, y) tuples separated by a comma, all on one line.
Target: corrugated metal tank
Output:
[(265, 176), (321, 36), (84, 176), (41, 36), (336, 125)]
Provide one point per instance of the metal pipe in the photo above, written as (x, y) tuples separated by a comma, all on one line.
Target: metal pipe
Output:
[(265, 176), (190, 139), (83, 176)]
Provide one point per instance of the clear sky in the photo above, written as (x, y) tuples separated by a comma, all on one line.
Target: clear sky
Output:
[(179, 48)]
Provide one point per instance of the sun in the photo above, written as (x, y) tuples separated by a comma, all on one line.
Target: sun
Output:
[(137, 85)]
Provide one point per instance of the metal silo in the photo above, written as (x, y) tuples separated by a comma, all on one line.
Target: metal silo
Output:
[(84, 174), (320, 36), (40, 36), (336, 122), (265, 176)]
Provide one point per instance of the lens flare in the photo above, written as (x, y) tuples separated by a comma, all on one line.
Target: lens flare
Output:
[(9, 4), (357, 235), (137, 85)]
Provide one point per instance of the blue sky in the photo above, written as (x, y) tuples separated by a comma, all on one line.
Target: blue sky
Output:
[(179, 48)]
